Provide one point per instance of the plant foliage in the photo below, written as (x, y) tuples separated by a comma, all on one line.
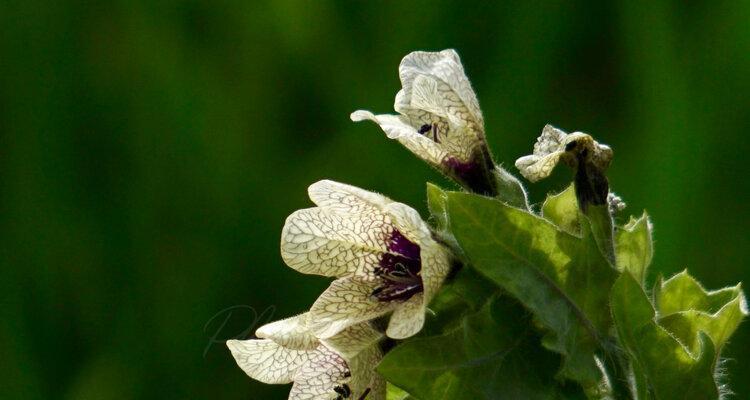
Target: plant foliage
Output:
[(540, 290)]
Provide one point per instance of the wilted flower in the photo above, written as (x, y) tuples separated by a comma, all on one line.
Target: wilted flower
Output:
[(340, 367), (579, 151), (554, 146), (440, 120), (381, 251)]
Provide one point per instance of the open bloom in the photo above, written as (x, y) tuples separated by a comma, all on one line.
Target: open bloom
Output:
[(439, 119), (579, 151), (340, 367), (381, 251)]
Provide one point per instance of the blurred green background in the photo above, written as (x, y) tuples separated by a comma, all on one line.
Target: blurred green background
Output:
[(150, 152)]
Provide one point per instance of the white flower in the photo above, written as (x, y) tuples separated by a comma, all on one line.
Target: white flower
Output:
[(340, 367), (381, 251), (554, 146), (439, 119)]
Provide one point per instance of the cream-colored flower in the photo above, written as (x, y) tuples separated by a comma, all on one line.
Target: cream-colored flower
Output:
[(340, 367), (439, 119), (381, 251), (554, 146)]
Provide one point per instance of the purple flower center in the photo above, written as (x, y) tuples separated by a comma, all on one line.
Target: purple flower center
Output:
[(474, 174), (399, 270)]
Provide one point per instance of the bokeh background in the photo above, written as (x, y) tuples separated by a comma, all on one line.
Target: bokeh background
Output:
[(150, 152)]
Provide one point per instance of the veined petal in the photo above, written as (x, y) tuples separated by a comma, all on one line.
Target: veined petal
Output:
[(408, 222), (396, 127), (346, 199), (314, 241), (318, 378), (408, 318), (551, 140), (445, 66), (346, 302), (353, 340), (364, 376), (554, 145), (434, 107), (291, 333), (436, 264), (379, 388), (424, 148), (267, 361), (426, 95), (418, 118), (535, 168), (436, 97)]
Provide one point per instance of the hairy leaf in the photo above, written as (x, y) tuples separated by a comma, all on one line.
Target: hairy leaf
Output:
[(563, 279), (437, 203), (510, 189), (685, 308), (463, 294), (562, 210), (635, 247), (667, 367), (436, 200), (491, 354)]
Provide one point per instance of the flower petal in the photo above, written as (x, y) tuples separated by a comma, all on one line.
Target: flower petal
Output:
[(379, 388), (353, 340), (426, 95), (395, 127), (408, 222), (346, 199), (407, 319), (418, 117), (437, 92), (291, 333), (436, 264), (535, 168), (445, 66), (267, 361), (346, 302), (554, 145), (551, 140), (319, 377), (364, 376), (314, 241)]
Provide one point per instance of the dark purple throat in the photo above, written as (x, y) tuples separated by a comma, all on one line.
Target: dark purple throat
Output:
[(400, 270), (474, 174)]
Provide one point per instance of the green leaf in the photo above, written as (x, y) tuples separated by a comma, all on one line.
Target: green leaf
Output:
[(686, 308), (491, 354), (437, 203), (562, 210), (671, 371), (510, 189), (564, 280), (463, 294), (682, 292), (635, 247), (393, 392), (436, 200)]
